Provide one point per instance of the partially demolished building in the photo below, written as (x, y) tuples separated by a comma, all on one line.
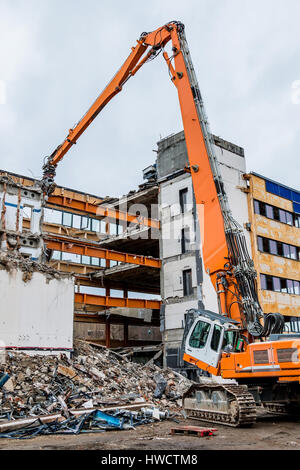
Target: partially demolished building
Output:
[(100, 247)]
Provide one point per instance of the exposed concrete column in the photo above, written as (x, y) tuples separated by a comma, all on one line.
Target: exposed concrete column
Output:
[(107, 333), (107, 231), (126, 332)]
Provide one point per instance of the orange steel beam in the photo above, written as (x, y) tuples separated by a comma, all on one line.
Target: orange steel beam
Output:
[(103, 301), (95, 318), (100, 211), (86, 249)]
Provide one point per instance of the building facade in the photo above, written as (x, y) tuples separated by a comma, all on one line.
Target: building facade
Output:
[(274, 215)]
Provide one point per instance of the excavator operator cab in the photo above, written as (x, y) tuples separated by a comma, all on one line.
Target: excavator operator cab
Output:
[(210, 336)]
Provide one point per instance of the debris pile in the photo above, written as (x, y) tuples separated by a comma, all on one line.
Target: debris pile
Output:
[(33, 386), (93, 421)]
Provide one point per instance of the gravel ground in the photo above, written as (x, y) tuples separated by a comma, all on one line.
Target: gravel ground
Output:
[(269, 433)]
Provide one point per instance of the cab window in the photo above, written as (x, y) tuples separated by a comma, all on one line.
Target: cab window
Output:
[(230, 338), (200, 334), (216, 338)]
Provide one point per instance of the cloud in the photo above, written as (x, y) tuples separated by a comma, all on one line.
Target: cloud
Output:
[(56, 57)]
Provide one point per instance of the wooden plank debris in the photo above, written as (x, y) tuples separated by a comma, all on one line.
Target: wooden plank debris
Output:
[(194, 431)]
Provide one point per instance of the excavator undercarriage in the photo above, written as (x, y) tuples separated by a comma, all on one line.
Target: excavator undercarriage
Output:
[(231, 405), (262, 374), (236, 404)]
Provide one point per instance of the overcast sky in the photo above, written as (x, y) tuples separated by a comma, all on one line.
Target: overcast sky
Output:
[(57, 55)]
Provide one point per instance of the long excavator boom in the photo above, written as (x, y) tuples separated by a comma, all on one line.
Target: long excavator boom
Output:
[(225, 254)]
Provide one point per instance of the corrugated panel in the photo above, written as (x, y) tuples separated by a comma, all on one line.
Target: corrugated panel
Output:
[(261, 357), (296, 197), (296, 207), (284, 192), (287, 355)]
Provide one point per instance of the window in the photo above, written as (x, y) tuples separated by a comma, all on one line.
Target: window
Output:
[(282, 216), (269, 212), (266, 245), (216, 337), (290, 287), (286, 250), (276, 284), (279, 284), (260, 243), (67, 219), (256, 207), (296, 287), (113, 229), (185, 240), (187, 283), (293, 252), (289, 218), (52, 216), (85, 223), (280, 251), (71, 258), (76, 221), (95, 226), (230, 338), (278, 248), (56, 255), (183, 199), (263, 282), (86, 260), (27, 214), (273, 247), (269, 281), (275, 213), (283, 285), (200, 334)]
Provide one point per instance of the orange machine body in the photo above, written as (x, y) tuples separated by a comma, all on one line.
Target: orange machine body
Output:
[(274, 359)]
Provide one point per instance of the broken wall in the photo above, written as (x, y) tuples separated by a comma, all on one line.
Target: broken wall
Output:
[(21, 218), (36, 312)]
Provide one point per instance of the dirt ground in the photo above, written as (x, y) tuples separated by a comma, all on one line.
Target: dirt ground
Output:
[(269, 433)]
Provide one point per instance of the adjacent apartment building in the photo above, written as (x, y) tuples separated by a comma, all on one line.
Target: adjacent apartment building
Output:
[(274, 216)]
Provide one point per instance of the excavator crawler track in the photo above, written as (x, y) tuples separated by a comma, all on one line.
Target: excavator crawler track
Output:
[(282, 409), (230, 405)]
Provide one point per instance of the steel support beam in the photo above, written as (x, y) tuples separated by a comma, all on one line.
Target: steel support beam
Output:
[(104, 301), (98, 211), (88, 249)]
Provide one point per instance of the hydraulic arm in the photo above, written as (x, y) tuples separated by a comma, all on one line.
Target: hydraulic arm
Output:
[(225, 254)]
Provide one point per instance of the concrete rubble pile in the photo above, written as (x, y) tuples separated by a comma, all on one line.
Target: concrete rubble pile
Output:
[(94, 378)]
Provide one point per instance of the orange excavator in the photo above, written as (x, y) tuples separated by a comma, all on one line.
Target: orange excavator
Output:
[(256, 364)]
